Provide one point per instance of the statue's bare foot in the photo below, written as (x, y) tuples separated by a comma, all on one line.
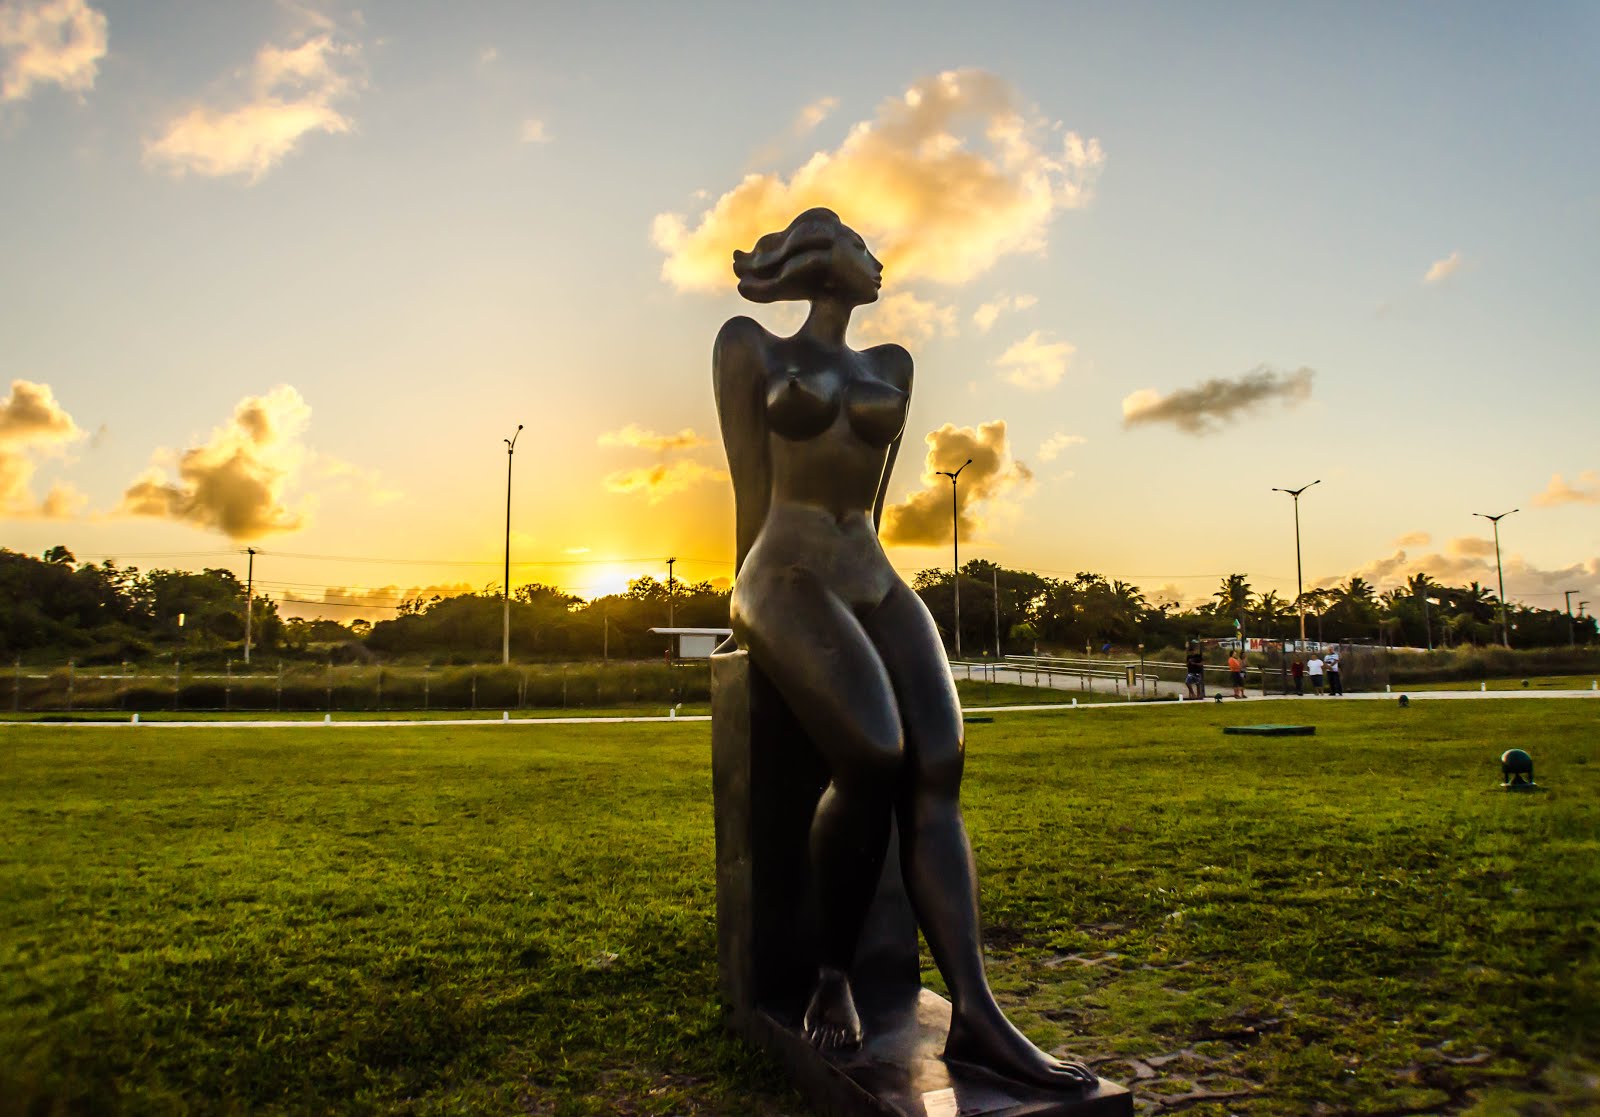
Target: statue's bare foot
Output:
[(988, 1040), (831, 1021)]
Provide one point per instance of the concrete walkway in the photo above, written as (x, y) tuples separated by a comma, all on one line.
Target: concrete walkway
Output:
[(1415, 696)]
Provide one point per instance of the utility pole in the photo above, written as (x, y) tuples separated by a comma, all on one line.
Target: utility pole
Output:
[(994, 572), (955, 543), (1298, 593), (249, 598), (670, 617), (1505, 629), (1572, 625), (505, 612)]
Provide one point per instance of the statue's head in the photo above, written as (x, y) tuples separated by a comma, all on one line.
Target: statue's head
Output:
[(817, 256)]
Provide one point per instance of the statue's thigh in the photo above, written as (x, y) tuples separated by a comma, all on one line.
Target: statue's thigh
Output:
[(826, 668), (908, 641)]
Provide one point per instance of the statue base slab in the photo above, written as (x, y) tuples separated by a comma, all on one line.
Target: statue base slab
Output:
[(898, 1070)]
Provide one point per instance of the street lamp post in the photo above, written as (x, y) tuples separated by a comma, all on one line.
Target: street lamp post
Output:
[(1298, 593), (250, 597), (670, 620), (955, 543), (1505, 629), (1572, 626), (505, 612)]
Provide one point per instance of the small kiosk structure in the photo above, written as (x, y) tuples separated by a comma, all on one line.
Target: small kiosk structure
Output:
[(694, 643)]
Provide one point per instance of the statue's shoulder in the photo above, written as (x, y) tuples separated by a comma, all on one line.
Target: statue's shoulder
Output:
[(892, 362), (741, 334)]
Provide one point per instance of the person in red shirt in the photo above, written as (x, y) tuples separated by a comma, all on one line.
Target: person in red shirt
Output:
[(1236, 669)]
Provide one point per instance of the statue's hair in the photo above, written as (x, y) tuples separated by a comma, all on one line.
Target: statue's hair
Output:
[(766, 273)]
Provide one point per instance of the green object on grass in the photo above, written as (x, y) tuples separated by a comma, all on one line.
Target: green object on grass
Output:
[(1272, 730)]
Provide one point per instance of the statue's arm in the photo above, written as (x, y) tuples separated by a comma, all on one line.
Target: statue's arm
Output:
[(739, 377), (895, 365)]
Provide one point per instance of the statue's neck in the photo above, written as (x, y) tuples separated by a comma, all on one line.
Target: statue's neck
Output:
[(827, 322)]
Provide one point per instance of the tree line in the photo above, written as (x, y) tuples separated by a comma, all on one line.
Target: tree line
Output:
[(54, 607)]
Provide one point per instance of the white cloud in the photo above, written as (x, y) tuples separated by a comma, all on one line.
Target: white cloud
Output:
[(534, 132), (814, 114), (987, 314), (949, 177), (906, 319), (291, 93), (1035, 362), (49, 42), (1443, 269), (1052, 447)]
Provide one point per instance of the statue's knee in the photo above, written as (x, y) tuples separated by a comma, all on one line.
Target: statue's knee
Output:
[(877, 756)]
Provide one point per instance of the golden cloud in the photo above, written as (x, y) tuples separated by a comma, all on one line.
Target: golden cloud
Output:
[(906, 319), (236, 481), (33, 423), (1586, 491), (1443, 269), (1204, 408), (1035, 363), (291, 94), (1459, 567), (923, 519), (636, 437), (49, 42), (1471, 545), (661, 480), (1413, 539), (949, 177), (1052, 447)]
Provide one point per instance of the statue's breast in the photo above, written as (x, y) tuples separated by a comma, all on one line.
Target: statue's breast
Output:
[(876, 411), (803, 404)]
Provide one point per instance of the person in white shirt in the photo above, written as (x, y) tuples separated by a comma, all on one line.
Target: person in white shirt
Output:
[(1330, 663), (1314, 673)]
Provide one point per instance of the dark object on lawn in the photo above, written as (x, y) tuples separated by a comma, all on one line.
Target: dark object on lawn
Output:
[(1272, 730), (837, 730), (970, 720), (1404, 701), (1218, 697), (1516, 770)]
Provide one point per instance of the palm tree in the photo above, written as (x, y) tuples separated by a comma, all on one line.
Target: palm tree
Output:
[(1233, 598)]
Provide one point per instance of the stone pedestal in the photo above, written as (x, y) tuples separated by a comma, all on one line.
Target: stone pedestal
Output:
[(767, 779)]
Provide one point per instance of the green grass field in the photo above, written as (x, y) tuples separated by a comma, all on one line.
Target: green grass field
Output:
[(473, 920)]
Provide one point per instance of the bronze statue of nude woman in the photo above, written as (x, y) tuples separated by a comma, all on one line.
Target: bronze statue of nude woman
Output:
[(812, 429)]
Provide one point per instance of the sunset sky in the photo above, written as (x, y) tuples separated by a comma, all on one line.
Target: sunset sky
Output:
[(285, 276)]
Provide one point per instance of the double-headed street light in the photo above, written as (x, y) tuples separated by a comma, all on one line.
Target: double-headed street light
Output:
[(1505, 629), (1299, 596), (955, 543), (505, 615)]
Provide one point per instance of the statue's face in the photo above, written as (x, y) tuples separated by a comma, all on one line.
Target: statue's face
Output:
[(857, 273), (833, 260), (818, 256)]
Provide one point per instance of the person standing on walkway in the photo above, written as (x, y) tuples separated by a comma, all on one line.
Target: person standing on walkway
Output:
[(1314, 669), (1236, 672), (1297, 672), (1194, 672), (1330, 663)]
